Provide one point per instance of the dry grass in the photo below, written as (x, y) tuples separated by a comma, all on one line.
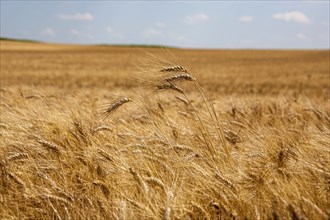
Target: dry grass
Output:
[(256, 146)]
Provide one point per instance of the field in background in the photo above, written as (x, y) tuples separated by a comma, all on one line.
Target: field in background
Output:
[(264, 153)]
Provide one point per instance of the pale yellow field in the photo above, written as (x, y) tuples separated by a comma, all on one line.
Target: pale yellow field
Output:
[(249, 139)]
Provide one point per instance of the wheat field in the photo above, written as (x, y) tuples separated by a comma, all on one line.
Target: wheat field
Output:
[(100, 132)]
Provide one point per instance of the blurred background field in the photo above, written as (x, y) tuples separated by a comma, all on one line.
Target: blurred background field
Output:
[(223, 72)]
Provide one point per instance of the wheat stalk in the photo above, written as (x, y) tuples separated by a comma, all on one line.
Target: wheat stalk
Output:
[(256, 211), (101, 128), (295, 213), (103, 187), (67, 213), (50, 145), (122, 210), (155, 181), (136, 204), (315, 207), (167, 213), (114, 106), (174, 69), (164, 165), (16, 179), (182, 148), (17, 156), (232, 137), (170, 86), (185, 101), (225, 180), (57, 198), (201, 209), (179, 77), (105, 155), (191, 155), (66, 195), (140, 180)]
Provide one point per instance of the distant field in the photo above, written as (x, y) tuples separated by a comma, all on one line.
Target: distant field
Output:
[(244, 134), (226, 71)]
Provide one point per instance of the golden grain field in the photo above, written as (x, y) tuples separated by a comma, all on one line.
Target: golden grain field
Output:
[(242, 134)]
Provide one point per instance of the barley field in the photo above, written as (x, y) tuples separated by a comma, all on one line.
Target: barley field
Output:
[(101, 132)]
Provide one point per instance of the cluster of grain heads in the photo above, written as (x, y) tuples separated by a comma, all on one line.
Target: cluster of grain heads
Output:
[(167, 81)]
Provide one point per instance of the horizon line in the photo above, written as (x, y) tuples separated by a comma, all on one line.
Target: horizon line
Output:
[(149, 45)]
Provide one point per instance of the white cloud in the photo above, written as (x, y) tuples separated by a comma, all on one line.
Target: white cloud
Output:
[(48, 32), (78, 16), (158, 31), (294, 16), (161, 25), (317, 1), (246, 19), (74, 32), (90, 36), (150, 32), (161, 34), (177, 37), (324, 37), (114, 33), (301, 36), (109, 29), (196, 18), (325, 23)]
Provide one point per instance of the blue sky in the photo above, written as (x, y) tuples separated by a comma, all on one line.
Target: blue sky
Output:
[(189, 24)]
